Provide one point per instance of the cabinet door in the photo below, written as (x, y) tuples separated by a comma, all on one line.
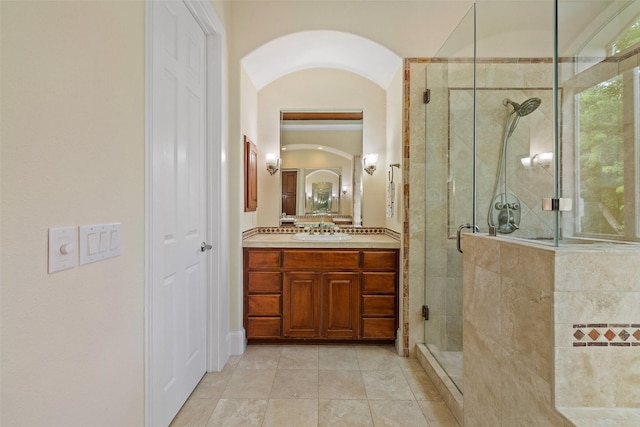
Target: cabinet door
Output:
[(340, 305), (301, 304)]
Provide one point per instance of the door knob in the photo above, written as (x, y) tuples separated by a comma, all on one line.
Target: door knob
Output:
[(205, 247)]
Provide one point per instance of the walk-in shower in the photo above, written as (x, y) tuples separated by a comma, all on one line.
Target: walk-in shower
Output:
[(510, 132), (505, 209)]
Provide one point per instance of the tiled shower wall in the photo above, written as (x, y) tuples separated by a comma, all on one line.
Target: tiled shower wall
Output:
[(549, 328), (597, 327), (508, 334)]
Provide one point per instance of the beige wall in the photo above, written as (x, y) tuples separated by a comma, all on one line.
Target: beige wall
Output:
[(409, 28), (72, 154), (394, 148), (249, 126)]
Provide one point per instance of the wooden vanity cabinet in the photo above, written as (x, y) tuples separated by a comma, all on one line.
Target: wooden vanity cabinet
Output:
[(321, 294)]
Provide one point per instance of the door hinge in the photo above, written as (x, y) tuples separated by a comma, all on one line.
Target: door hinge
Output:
[(561, 204), (426, 96), (425, 312)]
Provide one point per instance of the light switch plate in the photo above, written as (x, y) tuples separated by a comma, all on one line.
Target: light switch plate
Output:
[(99, 242), (63, 244)]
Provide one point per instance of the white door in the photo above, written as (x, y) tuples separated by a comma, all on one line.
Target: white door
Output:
[(178, 209)]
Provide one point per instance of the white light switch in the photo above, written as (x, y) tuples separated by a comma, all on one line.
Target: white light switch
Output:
[(92, 243), (99, 242), (62, 248)]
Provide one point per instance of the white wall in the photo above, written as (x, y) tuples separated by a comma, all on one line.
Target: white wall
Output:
[(72, 134)]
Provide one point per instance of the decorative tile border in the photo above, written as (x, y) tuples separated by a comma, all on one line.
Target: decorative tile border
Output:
[(345, 229), (606, 335)]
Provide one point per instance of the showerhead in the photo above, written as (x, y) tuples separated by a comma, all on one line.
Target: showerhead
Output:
[(521, 110), (526, 108)]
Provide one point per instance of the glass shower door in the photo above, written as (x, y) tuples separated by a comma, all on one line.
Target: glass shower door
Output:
[(449, 191)]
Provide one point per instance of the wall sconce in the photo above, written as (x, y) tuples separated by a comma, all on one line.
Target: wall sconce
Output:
[(344, 189), (370, 163), (542, 159), (273, 163)]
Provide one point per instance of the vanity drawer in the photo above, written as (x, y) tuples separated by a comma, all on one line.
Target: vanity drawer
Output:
[(321, 259), (263, 282), (380, 260), (378, 305), (379, 283), (378, 328), (263, 327), (264, 305), (263, 260)]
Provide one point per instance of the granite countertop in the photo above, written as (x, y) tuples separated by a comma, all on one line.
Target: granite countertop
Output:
[(369, 241)]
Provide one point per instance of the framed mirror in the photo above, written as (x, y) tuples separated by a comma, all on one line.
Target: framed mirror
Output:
[(321, 153)]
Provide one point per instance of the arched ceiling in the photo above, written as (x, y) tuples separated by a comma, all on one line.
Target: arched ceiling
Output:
[(321, 49)]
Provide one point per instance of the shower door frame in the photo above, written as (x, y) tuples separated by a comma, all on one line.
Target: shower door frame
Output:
[(449, 203)]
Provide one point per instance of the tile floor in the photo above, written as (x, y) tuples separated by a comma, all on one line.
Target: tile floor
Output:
[(311, 385)]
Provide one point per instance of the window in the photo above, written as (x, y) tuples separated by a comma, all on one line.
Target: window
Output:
[(608, 149), (601, 158), (629, 39)]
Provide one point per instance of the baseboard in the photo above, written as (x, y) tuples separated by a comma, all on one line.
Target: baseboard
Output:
[(237, 342)]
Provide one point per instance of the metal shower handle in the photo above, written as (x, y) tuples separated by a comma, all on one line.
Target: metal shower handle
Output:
[(459, 233)]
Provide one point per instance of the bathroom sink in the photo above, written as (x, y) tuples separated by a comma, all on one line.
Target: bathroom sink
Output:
[(336, 237)]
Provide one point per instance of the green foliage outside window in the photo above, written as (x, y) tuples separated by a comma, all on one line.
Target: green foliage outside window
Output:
[(602, 158), (602, 148), (628, 39)]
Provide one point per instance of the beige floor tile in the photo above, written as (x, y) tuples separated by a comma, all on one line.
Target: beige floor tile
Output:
[(194, 413), (336, 358), (291, 413), (299, 357), (341, 385), (410, 364), (421, 385), (238, 412), (250, 384), (232, 362), (212, 385), (397, 413), (260, 357), (377, 358), (386, 385), (332, 385), (344, 413), (295, 384), (437, 414)]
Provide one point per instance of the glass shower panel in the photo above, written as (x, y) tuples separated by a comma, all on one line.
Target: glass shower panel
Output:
[(448, 198), (600, 112), (515, 118)]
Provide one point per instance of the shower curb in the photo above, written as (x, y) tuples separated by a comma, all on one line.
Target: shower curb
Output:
[(447, 389)]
